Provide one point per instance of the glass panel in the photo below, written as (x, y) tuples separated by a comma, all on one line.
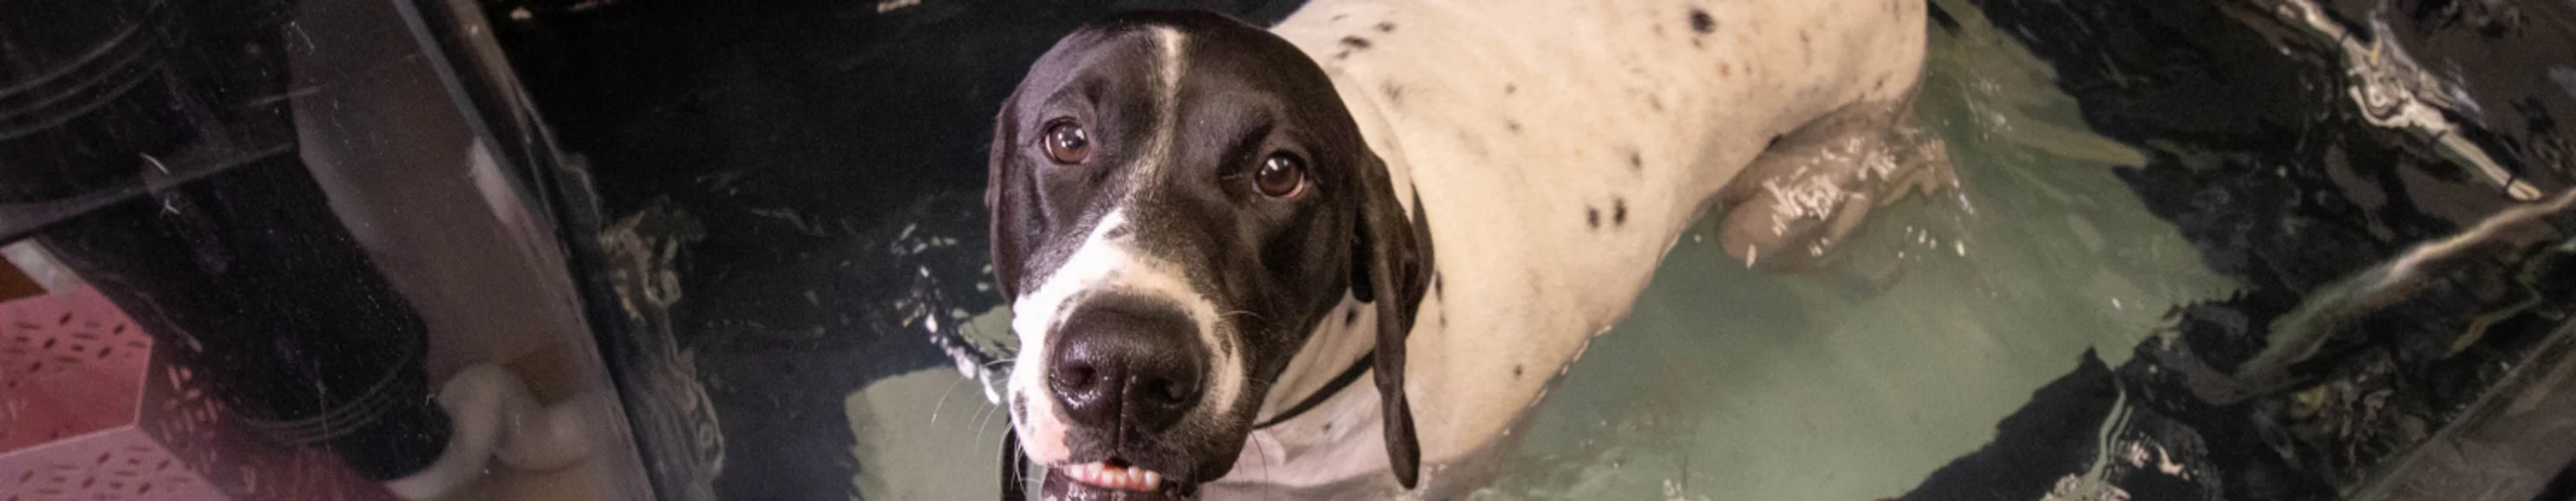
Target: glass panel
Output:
[(264, 250)]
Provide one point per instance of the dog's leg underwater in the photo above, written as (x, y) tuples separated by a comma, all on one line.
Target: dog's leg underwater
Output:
[(1811, 186)]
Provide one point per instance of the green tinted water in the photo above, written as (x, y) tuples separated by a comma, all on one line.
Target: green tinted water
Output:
[(1855, 382)]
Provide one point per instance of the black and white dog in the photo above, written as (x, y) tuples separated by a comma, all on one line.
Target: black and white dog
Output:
[(1207, 230)]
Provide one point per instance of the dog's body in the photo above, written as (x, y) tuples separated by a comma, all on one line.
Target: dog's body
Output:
[(1557, 149)]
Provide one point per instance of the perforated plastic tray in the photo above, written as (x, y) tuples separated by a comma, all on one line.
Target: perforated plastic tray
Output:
[(91, 409)]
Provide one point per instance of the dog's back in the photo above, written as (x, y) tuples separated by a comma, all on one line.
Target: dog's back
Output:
[(1558, 148)]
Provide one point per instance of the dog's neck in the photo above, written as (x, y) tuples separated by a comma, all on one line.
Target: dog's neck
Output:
[(1349, 332), (1344, 337)]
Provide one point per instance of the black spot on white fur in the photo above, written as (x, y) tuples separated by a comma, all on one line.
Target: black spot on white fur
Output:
[(1350, 317), (1436, 292), (1514, 125), (1619, 211), (1386, 27), (1355, 43), (1700, 22), (1394, 93), (1636, 161), (1508, 89), (1592, 216), (1475, 141), (1516, 371)]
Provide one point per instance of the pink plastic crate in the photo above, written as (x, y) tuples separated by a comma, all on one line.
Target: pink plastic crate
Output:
[(92, 410)]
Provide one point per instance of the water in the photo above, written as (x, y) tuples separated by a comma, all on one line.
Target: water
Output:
[(1943, 315)]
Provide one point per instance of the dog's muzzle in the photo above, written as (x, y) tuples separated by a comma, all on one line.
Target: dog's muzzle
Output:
[(1127, 366), (1124, 370)]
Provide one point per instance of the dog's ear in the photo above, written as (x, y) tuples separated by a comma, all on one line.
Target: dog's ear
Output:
[(1005, 194), (1391, 267)]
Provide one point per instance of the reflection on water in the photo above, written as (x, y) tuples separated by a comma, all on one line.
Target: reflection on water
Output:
[(1942, 316)]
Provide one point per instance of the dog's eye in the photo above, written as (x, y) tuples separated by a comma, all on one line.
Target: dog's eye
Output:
[(1066, 143), (1281, 176)]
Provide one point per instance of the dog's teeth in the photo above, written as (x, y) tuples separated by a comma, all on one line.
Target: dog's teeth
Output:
[(1088, 473), (1130, 478)]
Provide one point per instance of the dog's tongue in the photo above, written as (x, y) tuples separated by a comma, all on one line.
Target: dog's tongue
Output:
[(1061, 488)]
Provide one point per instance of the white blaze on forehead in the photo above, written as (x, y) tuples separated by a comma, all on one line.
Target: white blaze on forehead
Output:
[(1167, 112), (1169, 40)]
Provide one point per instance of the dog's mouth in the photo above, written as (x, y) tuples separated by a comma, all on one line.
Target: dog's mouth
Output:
[(1111, 479)]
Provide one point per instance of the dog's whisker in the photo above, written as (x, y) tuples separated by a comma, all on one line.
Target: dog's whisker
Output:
[(1027, 481), (943, 397), (1267, 461), (984, 420)]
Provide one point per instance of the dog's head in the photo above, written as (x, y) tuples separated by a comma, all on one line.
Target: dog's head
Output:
[(1178, 199)]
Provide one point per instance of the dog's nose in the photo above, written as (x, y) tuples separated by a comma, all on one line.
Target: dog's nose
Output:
[(1127, 361)]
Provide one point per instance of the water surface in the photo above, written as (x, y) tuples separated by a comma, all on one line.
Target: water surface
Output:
[(1940, 318)]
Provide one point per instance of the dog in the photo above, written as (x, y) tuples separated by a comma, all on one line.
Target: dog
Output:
[(1209, 232)]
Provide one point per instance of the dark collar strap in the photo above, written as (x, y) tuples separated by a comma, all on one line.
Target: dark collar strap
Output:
[(1339, 382)]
